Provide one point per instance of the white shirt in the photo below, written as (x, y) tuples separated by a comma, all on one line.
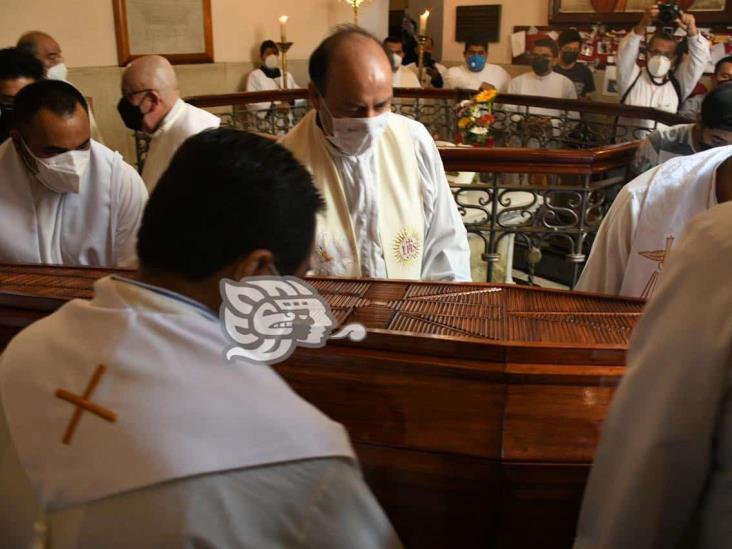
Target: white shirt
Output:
[(662, 475), (405, 78), (654, 206), (549, 85), (258, 81), (462, 77), (645, 93), (446, 251), (164, 354), (97, 226), (179, 124)]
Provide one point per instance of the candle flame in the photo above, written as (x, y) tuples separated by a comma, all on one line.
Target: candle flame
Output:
[(426, 13), (283, 19)]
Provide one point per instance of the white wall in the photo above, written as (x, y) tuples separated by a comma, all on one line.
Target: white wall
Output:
[(85, 28), (513, 12)]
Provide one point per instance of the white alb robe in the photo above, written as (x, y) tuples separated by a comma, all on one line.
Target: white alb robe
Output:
[(445, 253), (405, 78), (97, 226), (184, 415), (649, 214), (258, 81), (179, 124), (463, 78), (662, 474), (550, 85)]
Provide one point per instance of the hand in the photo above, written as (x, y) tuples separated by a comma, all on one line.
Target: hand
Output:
[(485, 86), (282, 106), (649, 16), (687, 22)]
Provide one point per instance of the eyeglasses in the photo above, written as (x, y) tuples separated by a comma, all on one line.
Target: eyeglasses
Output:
[(130, 95)]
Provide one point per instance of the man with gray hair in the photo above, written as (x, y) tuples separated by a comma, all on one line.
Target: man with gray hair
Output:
[(390, 213), (151, 103)]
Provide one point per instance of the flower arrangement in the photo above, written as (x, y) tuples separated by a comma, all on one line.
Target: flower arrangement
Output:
[(475, 118)]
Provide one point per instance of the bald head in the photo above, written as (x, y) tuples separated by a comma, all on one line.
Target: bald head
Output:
[(151, 72), (43, 47), (149, 84)]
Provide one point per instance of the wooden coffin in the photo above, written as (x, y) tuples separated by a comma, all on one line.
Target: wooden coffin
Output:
[(475, 409)]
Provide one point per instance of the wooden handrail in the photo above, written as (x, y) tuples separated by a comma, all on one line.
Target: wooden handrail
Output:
[(594, 107)]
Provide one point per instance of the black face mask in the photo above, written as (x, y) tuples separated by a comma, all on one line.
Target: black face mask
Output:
[(427, 59), (540, 65), (7, 121), (131, 115), (570, 57)]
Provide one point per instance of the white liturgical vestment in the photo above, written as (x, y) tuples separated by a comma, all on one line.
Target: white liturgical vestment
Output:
[(96, 226), (182, 414), (376, 237), (258, 81), (662, 474), (649, 214), (179, 124)]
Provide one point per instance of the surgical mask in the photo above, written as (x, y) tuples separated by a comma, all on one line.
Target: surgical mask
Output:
[(540, 65), (354, 136), (57, 72), (271, 61), (131, 116), (62, 173), (476, 62), (396, 61), (569, 57), (659, 65)]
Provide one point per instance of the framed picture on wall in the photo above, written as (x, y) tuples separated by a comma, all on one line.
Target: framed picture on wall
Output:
[(707, 12), (179, 30)]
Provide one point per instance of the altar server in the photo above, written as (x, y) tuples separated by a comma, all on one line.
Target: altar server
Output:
[(180, 447), (64, 198), (151, 103), (649, 214), (661, 475), (268, 76), (390, 213), (402, 77)]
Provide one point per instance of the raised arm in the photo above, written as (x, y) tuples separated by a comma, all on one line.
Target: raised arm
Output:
[(629, 48), (691, 69)]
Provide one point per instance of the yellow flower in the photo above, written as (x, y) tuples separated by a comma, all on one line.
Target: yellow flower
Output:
[(486, 96), (464, 122)]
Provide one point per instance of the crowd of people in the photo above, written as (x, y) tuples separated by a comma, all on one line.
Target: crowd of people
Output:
[(353, 190)]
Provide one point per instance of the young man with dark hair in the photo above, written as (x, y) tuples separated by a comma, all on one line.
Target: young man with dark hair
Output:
[(390, 212), (64, 198), (434, 72), (202, 451), (477, 73), (691, 108), (570, 45), (401, 76), (17, 70), (542, 80), (268, 76), (666, 80)]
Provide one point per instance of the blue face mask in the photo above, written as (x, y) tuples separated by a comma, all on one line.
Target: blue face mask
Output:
[(476, 62)]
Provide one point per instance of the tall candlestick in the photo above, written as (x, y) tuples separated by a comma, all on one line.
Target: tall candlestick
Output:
[(423, 22), (283, 28)]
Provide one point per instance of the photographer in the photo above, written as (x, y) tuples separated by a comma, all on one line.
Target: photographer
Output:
[(665, 81)]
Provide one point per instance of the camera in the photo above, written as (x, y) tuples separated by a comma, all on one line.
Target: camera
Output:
[(668, 12)]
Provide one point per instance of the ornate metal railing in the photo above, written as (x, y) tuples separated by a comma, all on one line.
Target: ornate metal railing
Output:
[(546, 204)]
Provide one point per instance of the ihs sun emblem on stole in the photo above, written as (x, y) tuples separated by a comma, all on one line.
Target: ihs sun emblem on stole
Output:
[(406, 247), (659, 256)]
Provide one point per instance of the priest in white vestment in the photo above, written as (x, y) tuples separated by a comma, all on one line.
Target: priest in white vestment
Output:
[(661, 475), (389, 211), (151, 103), (175, 446), (64, 198), (648, 216)]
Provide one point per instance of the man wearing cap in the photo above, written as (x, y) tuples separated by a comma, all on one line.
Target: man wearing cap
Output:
[(713, 130)]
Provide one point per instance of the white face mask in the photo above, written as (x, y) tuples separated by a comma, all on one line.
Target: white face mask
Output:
[(354, 136), (396, 61), (271, 61), (62, 173), (659, 65), (57, 72)]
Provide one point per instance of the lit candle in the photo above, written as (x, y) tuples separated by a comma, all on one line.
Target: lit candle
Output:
[(423, 23), (283, 28)]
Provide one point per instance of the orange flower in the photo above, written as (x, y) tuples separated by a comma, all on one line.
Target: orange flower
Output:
[(486, 96), (464, 122)]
